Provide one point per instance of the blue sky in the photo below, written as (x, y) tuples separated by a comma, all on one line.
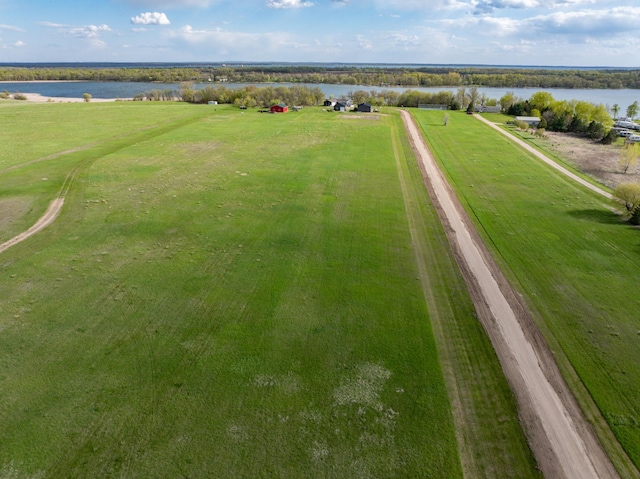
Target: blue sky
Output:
[(493, 32)]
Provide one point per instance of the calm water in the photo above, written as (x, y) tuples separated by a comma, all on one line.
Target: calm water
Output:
[(622, 97)]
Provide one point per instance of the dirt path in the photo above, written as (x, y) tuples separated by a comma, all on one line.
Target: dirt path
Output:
[(49, 216), (562, 441), (546, 159)]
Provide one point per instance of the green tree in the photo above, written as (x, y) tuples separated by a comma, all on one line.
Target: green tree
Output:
[(596, 130), (541, 100), (635, 216), (610, 137), (615, 109), (507, 100), (601, 115), (87, 97), (629, 157), (474, 98), (628, 194), (632, 110)]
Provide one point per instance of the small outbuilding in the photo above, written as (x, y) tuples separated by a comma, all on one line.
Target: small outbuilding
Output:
[(279, 108), (532, 121), (364, 107), (329, 102), (339, 106)]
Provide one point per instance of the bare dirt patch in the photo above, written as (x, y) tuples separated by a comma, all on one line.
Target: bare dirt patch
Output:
[(361, 117), (592, 158), (13, 208)]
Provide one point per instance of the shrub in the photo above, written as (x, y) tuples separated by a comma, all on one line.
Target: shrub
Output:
[(87, 97), (635, 216), (19, 96), (610, 137), (629, 195)]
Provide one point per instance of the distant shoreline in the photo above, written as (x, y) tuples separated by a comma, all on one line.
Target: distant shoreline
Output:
[(41, 81), (38, 98)]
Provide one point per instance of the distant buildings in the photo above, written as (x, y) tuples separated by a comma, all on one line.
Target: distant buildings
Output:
[(532, 121)]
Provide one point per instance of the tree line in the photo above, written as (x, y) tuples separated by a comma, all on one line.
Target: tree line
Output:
[(368, 76), (253, 96), (575, 116)]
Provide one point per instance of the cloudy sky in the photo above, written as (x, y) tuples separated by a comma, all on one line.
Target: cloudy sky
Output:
[(492, 32)]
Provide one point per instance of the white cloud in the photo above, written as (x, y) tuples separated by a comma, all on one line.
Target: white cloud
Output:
[(151, 18), (491, 26), (173, 3), (91, 33), (589, 22), (420, 5), (11, 27), (288, 4), (228, 40), (488, 6), (19, 44)]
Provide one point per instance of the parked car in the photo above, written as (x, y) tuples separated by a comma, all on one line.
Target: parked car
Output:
[(634, 138), (625, 133)]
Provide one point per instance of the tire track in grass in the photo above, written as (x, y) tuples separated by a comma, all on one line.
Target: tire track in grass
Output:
[(103, 149), (562, 441)]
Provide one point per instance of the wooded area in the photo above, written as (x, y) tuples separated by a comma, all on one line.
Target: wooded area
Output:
[(352, 75)]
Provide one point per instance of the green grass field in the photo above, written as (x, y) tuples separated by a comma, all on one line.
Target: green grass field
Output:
[(236, 295), (569, 253)]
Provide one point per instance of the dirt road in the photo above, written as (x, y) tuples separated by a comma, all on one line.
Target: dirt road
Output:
[(546, 159), (46, 219), (562, 441)]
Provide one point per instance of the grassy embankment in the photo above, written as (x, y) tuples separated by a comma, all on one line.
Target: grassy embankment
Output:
[(236, 294), (572, 257)]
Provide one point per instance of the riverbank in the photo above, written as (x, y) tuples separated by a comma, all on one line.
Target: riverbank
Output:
[(110, 90), (38, 98)]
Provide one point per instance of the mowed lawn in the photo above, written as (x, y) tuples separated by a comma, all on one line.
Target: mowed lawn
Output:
[(231, 294), (569, 253)]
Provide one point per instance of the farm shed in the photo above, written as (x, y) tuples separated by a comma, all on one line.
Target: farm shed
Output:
[(329, 102), (339, 106), (532, 121), (279, 108), (364, 107)]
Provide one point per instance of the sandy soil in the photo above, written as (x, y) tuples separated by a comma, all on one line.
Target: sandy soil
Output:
[(561, 439), (49, 217)]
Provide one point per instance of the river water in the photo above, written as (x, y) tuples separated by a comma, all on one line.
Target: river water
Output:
[(623, 97)]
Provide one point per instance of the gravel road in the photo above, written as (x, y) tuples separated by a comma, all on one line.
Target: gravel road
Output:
[(562, 441)]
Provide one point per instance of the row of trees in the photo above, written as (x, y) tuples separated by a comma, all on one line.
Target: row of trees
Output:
[(354, 75), (252, 96), (575, 116)]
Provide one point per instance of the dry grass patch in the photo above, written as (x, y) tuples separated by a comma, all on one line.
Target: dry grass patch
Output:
[(595, 159), (13, 208)]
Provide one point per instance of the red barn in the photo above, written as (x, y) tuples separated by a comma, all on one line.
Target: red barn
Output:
[(279, 108)]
